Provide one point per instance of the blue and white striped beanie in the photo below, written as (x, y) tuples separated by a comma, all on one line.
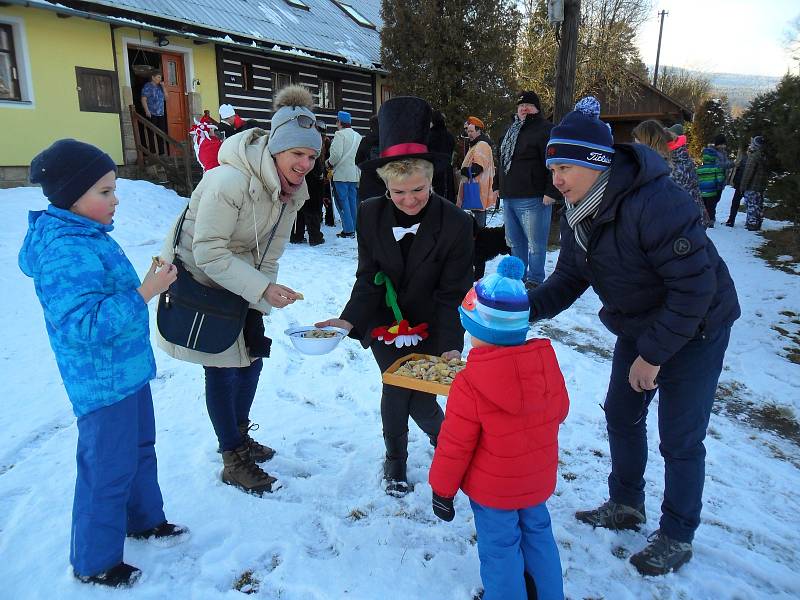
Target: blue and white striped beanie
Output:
[(581, 138), (496, 310)]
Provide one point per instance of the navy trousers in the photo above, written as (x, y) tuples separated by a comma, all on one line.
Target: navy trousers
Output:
[(686, 387), (229, 396), (117, 490)]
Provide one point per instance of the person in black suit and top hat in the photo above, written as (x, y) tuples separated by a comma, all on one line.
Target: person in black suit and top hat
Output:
[(414, 266)]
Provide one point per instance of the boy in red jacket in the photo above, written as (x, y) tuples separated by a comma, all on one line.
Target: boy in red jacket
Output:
[(499, 439)]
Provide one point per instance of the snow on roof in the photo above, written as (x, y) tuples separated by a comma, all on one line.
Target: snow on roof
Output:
[(323, 27)]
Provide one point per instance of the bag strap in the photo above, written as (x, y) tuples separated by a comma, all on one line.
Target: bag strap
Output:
[(183, 218), (271, 235), (178, 230)]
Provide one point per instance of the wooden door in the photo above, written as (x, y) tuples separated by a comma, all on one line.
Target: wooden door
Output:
[(175, 86)]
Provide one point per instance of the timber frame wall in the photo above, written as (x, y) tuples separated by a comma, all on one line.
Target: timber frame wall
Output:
[(236, 70)]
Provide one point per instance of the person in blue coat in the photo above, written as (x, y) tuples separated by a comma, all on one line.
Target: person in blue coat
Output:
[(95, 312), (637, 239)]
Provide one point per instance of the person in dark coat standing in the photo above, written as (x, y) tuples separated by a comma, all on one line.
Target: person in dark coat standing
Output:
[(370, 185), (442, 141), (633, 235), (420, 245), (309, 217), (525, 186)]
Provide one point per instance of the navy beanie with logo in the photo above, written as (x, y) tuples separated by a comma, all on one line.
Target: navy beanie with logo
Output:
[(496, 310), (581, 138), (67, 169)]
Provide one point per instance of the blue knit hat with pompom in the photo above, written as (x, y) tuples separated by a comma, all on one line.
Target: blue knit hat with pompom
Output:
[(496, 310), (582, 138)]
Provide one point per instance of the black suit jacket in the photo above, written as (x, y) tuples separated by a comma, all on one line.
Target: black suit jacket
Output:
[(430, 284)]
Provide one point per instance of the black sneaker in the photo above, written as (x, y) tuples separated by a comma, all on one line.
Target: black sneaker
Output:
[(122, 575), (297, 240), (163, 531), (316, 242), (662, 555), (612, 515), (344, 234)]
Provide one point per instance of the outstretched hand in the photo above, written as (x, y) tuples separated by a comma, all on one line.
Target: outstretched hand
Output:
[(451, 354), (340, 323), (279, 295)]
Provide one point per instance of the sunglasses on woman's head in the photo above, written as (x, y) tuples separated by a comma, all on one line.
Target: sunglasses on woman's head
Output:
[(303, 121)]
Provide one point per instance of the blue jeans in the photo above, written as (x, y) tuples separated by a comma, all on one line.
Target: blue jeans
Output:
[(527, 228), (346, 202), (116, 491), (229, 396), (687, 383), (511, 542)]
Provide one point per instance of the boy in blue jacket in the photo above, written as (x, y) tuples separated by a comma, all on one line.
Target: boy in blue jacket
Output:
[(96, 316)]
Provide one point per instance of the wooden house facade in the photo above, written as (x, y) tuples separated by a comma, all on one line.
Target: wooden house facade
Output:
[(75, 68), (643, 102)]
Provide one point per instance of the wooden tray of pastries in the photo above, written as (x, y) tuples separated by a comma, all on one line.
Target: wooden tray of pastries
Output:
[(424, 372)]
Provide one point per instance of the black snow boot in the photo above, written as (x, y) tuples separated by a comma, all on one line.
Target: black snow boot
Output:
[(165, 531), (119, 576), (394, 465), (662, 555), (612, 515)]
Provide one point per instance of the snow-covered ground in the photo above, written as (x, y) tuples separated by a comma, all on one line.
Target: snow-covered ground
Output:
[(330, 532)]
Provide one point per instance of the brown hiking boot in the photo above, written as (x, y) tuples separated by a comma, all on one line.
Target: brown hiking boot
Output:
[(240, 471), (258, 452)]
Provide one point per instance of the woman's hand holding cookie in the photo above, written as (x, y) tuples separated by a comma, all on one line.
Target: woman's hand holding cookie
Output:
[(279, 295)]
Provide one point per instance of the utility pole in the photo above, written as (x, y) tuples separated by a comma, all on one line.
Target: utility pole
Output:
[(566, 61), (663, 13)]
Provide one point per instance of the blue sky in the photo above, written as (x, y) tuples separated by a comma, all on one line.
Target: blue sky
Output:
[(731, 36)]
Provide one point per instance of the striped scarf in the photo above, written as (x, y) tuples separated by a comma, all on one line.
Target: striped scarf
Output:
[(509, 143), (581, 215)]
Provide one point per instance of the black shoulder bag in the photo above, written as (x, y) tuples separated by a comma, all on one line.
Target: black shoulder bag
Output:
[(199, 317)]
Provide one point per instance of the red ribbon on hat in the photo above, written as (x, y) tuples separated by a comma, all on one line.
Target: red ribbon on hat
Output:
[(407, 148)]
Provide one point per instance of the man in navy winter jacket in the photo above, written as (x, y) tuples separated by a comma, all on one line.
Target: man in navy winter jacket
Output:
[(636, 238)]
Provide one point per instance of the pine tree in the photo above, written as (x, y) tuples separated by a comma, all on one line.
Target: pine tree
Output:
[(456, 54), (775, 116), (712, 118)]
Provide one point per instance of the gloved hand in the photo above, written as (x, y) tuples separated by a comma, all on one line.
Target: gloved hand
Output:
[(443, 507), (476, 170)]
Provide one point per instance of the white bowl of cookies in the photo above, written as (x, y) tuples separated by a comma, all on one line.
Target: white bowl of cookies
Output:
[(312, 340)]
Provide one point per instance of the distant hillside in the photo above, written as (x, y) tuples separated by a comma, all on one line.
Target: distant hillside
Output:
[(740, 89)]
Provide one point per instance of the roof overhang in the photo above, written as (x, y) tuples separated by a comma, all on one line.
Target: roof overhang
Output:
[(162, 25)]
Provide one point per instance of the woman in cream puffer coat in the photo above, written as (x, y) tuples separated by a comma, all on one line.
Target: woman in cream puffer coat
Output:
[(259, 185)]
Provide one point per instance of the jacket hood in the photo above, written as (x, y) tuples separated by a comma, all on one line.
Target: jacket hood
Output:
[(45, 227), (633, 166), (503, 374)]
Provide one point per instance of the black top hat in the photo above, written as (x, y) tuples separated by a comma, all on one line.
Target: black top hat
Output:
[(404, 125)]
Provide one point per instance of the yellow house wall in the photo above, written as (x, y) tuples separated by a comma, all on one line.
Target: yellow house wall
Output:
[(54, 48)]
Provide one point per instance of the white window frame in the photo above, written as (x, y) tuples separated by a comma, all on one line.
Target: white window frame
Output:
[(22, 58), (352, 12), (331, 105)]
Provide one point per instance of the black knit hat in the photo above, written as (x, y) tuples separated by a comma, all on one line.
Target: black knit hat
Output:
[(529, 98), (67, 169), (404, 126)]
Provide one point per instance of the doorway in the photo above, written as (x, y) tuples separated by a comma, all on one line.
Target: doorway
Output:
[(142, 63)]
